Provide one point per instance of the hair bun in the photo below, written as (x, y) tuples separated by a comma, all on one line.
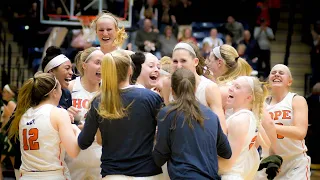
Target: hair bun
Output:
[(53, 50), (138, 58)]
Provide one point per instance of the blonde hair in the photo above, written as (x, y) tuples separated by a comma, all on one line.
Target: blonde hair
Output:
[(260, 93), (286, 68), (121, 33), (166, 64), (236, 65), (82, 56), (33, 91), (114, 70)]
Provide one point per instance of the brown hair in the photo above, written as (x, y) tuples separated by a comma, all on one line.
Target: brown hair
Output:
[(183, 84), (33, 91)]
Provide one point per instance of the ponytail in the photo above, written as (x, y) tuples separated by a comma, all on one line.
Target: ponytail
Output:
[(260, 94), (111, 106), (183, 85)]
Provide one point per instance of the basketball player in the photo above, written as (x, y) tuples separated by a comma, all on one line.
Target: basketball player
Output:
[(290, 114), (226, 65), (60, 66), (189, 134), (84, 88), (186, 55), (126, 118), (246, 98), (45, 131), (110, 35), (146, 70)]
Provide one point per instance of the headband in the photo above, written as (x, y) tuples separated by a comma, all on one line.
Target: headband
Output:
[(55, 84), (216, 52), (250, 81), (110, 17), (7, 87), (186, 47), (90, 55), (55, 62)]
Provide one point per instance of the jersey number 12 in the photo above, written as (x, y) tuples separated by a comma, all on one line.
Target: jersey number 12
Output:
[(30, 143)]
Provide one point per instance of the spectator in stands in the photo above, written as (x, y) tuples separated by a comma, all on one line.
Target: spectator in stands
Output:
[(252, 48), (150, 6), (187, 36), (205, 50), (234, 27), (165, 16), (147, 39), (274, 12), (167, 41), (263, 12), (264, 35), (183, 12), (313, 132), (213, 40), (229, 40), (148, 14), (315, 63)]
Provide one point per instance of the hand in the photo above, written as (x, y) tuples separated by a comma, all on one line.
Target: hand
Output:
[(146, 43), (74, 112), (156, 90), (156, 30), (173, 19)]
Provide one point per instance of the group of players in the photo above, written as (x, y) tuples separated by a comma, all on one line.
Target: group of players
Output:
[(127, 117)]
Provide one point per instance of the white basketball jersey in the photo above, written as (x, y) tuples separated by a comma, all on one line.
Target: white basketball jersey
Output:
[(247, 163), (200, 91), (81, 99), (40, 144), (282, 114)]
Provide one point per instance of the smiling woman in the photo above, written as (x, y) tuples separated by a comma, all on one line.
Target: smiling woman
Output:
[(60, 66), (110, 35)]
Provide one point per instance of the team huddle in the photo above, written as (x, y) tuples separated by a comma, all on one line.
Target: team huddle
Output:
[(129, 115)]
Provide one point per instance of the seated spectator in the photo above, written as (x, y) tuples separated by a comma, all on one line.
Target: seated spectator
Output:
[(148, 14), (167, 41), (187, 36), (147, 39), (234, 27), (150, 6), (252, 47), (229, 40), (205, 50), (242, 53), (213, 40)]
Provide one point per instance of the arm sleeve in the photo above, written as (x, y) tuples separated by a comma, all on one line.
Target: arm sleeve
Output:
[(86, 137), (270, 33), (223, 146), (256, 32), (162, 152)]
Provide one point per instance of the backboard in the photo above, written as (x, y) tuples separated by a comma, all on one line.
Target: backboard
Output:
[(67, 12)]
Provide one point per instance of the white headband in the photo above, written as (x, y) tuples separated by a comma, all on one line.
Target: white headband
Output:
[(6, 87), (110, 17), (186, 47), (91, 54), (57, 61), (216, 52), (250, 81)]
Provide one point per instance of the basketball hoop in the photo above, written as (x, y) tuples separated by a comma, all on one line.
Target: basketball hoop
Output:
[(85, 23)]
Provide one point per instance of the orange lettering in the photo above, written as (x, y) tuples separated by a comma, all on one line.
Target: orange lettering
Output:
[(271, 114), (85, 103), (278, 135), (286, 114), (76, 103), (252, 142), (276, 115)]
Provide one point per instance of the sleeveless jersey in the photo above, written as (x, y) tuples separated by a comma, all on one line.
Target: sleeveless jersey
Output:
[(40, 144), (200, 91), (247, 163), (282, 114), (81, 99)]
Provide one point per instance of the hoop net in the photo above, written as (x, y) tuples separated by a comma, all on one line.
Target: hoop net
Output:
[(85, 23)]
